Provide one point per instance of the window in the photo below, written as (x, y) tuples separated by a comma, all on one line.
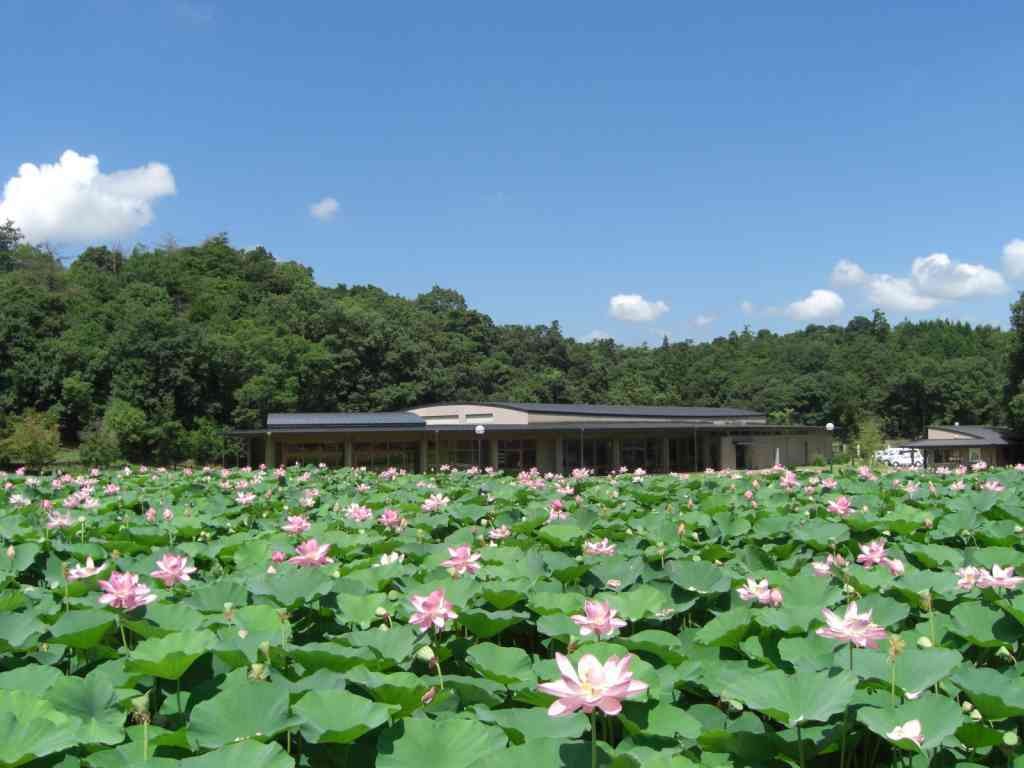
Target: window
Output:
[(463, 453), (517, 454), (974, 454), (479, 418)]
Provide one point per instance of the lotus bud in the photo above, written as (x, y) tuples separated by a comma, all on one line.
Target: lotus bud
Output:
[(425, 653), (734, 705), (264, 648), (229, 611), (975, 715), (380, 612), (10, 551), (896, 647), (967, 706), (681, 529), (1011, 739), (243, 633), (429, 695), (393, 595), (1004, 652), (258, 672), (924, 642)]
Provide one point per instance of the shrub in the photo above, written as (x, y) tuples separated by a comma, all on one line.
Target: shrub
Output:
[(33, 439), (99, 446)]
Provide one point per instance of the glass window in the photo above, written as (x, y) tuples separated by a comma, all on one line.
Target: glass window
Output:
[(517, 454)]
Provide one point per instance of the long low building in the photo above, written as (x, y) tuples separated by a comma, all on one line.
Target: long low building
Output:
[(953, 445), (551, 437)]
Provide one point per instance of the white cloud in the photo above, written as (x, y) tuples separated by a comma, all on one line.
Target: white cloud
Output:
[(939, 276), (1013, 259), (933, 279), (747, 307), (703, 321), (818, 305), (596, 335), (634, 308), (847, 273), (73, 201), (324, 209)]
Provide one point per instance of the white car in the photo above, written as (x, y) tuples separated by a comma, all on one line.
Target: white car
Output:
[(901, 457)]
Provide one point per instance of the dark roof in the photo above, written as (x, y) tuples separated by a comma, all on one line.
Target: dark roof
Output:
[(974, 436), (345, 419), (590, 427), (634, 411)]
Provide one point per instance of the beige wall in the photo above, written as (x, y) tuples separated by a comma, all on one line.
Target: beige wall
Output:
[(942, 434), (470, 414)]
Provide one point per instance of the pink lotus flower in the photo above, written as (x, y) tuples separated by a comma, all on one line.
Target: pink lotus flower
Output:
[(171, 569), (602, 547), (392, 519), (435, 502), (895, 565), (789, 480), (910, 730), (556, 511), (86, 571), (598, 619), (432, 611), (390, 558), (124, 591), (999, 578), (853, 628), (829, 483), (245, 499), (278, 556), (872, 554), (993, 485), (865, 473), (499, 533), (296, 524), (969, 577), (825, 568), (462, 561), (761, 592), (357, 513), (310, 554), (595, 686), (841, 507), (58, 520)]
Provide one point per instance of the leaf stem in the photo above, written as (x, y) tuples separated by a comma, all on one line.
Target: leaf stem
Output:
[(593, 739)]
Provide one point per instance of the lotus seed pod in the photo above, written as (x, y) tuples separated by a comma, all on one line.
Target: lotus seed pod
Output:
[(393, 595), (975, 715), (140, 704), (381, 612), (258, 672), (924, 642), (1011, 739), (425, 653), (264, 648)]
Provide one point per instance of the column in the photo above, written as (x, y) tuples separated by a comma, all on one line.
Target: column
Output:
[(492, 453), (665, 465), (421, 463), (616, 453), (271, 459), (559, 455), (348, 453)]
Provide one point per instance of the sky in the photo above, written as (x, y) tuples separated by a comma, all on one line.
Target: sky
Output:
[(629, 170)]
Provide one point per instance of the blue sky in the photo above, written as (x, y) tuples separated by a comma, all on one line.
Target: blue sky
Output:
[(543, 158)]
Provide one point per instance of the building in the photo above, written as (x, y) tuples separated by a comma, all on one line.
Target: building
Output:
[(965, 445), (551, 437)]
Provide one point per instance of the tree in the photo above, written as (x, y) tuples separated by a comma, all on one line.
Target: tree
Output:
[(33, 440)]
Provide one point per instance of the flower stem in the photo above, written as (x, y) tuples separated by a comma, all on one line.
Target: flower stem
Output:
[(124, 640), (846, 721), (800, 744), (593, 739), (440, 676)]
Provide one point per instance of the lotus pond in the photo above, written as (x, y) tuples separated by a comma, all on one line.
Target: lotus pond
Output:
[(318, 617)]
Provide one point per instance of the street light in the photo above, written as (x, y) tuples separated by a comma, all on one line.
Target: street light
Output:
[(480, 430), (830, 428)]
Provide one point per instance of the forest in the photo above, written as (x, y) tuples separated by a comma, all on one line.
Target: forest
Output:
[(150, 354)]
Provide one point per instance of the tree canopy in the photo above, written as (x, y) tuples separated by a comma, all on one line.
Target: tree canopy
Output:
[(173, 342)]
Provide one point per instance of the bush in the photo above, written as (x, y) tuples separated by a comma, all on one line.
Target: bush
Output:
[(33, 439), (99, 446), (205, 442)]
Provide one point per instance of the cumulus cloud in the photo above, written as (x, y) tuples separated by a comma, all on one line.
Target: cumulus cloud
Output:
[(702, 320), (933, 279), (939, 276), (1013, 259), (324, 209), (747, 307), (634, 308), (73, 201), (818, 305)]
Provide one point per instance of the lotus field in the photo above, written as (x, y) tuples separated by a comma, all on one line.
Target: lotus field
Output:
[(464, 619)]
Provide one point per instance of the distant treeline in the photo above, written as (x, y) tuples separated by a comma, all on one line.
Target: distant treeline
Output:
[(148, 354)]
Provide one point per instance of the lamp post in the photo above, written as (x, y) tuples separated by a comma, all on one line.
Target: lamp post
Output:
[(480, 430), (830, 428)]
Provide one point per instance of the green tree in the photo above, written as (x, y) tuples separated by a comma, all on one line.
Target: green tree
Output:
[(33, 439)]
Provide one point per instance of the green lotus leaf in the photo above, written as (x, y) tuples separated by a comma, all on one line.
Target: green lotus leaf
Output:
[(939, 716), (338, 717), (169, 657), (507, 666), (250, 710), (448, 743), (699, 576), (92, 701), (791, 699), (997, 695), (23, 740)]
